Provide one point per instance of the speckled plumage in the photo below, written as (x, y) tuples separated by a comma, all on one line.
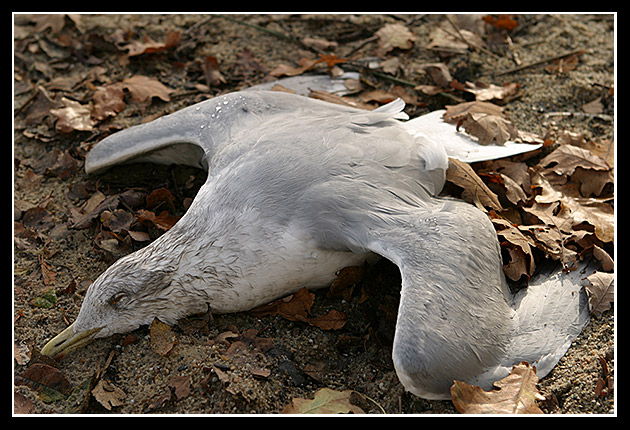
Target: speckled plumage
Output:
[(298, 189)]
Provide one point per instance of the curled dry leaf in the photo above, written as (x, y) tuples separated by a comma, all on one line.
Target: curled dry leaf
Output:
[(515, 394), (162, 337), (518, 247), (392, 36), (326, 401), (488, 128), (73, 116), (108, 394), (475, 190), (601, 291), (143, 89)]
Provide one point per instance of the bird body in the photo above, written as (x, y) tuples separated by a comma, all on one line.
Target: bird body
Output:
[(298, 189)]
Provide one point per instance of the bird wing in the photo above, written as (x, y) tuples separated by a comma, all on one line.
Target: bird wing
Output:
[(194, 135)]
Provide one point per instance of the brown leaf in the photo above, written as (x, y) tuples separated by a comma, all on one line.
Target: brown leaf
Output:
[(343, 285), (295, 307), (515, 394), (601, 291), (333, 320), (488, 128), (162, 337), (108, 394), (476, 191), (286, 70), (49, 382), (143, 89), (455, 113), (211, 72), (325, 401), (181, 385), (117, 221), (148, 46), (108, 101), (518, 246), (73, 116), (158, 197), (487, 92), (392, 36)]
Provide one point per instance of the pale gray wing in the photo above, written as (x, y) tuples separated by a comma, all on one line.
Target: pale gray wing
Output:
[(194, 135)]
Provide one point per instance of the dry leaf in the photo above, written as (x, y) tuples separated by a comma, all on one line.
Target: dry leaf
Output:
[(515, 394), (601, 291), (108, 101), (211, 72), (73, 116), (162, 337), (456, 113), (326, 401), (181, 385), (518, 246), (143, 89), (485, 92), (108, 394), (148, 46), (476, 191), (333, 320), (392, 36), (488, 128), (295, 307)]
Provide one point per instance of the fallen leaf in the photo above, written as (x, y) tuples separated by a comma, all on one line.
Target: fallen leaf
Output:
[(343, 284), (73, 116), (148, 46), (476, 191), (162, 337), (108, 101), (108, 394), (211, 72), (488, 128), (295, 307), (286, 70), (333, 320), (601, 291), (325, 401), (514, 394), (49, 382), (455, 113), (159, 196), (518, 247), (487, 92), (501, 21), (322, 44), (143, 89), (22, 404), (392, 36), (117, 221), (181, 385)]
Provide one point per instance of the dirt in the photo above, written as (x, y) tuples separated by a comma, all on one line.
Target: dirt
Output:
[(279, 359)]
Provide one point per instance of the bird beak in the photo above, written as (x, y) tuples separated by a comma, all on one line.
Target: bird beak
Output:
[(68, 340)]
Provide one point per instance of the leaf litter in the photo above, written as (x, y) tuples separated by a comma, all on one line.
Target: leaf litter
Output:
[(556, 205)]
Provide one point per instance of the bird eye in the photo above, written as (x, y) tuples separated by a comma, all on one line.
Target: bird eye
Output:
[(116, 298)]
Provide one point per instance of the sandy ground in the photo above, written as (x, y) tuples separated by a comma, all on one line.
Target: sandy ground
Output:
[(278, 360)]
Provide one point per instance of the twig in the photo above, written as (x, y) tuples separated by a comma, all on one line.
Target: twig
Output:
[(539, 62)]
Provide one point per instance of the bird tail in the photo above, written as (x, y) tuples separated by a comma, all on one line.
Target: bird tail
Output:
[(551, 312)]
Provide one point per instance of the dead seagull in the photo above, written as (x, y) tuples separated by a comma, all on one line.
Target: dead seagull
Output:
[(298, 189)]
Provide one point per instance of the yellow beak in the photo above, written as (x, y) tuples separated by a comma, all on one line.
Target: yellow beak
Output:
[(68, 340)]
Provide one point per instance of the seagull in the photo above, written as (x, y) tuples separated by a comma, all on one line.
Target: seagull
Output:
[(298, 189)]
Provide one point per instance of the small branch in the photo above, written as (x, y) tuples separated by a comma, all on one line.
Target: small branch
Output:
[(538, 63)]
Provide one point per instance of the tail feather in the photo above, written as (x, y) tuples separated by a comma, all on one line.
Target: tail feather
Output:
[(551, 312)]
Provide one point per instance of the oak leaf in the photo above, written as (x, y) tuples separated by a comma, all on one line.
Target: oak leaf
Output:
[(488, 128), (601, 291), (162, 337), (392, 36), (475, 190), (108, 394), (73, 116), (326, 401), (514, 394), (143, 89)]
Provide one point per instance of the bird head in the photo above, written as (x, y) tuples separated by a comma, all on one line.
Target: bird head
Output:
[(130, 293)]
